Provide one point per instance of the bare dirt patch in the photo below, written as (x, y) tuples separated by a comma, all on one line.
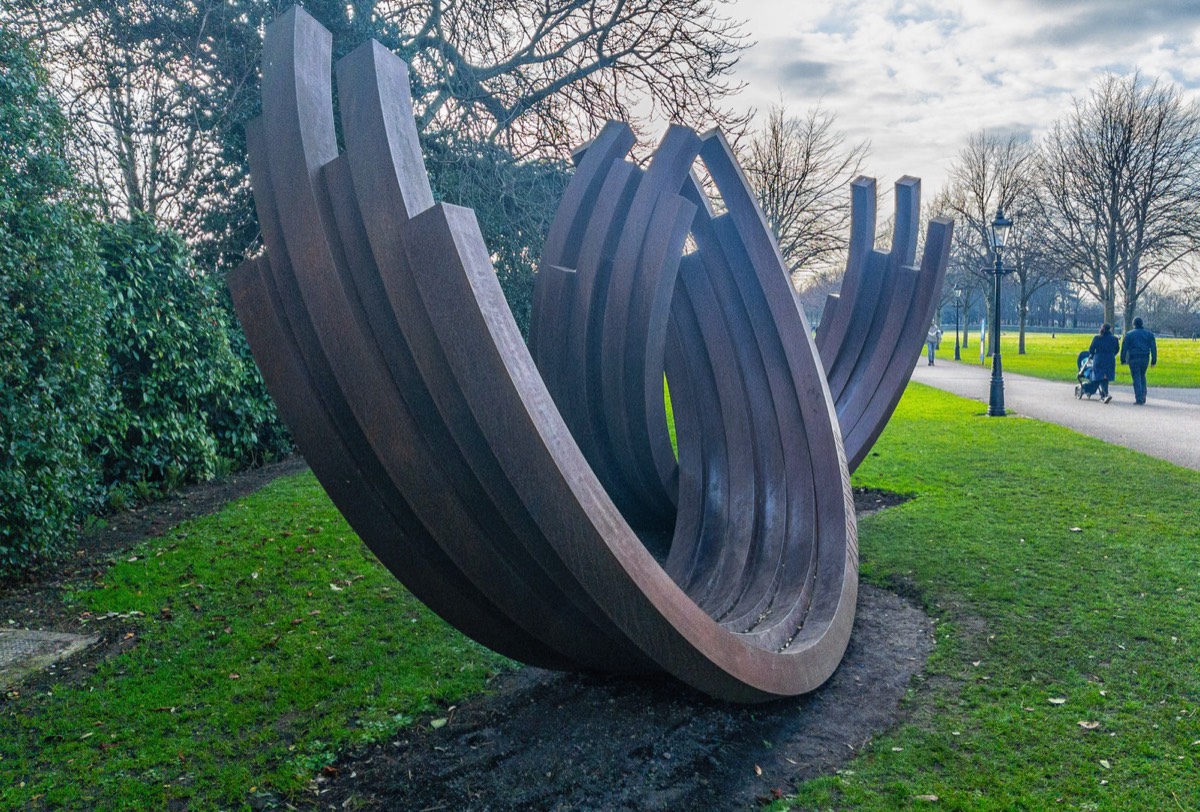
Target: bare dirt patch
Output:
[(548, 741)]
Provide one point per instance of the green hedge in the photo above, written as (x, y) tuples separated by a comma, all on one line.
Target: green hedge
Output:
[(184, 406), (122, 370), (51, 308)]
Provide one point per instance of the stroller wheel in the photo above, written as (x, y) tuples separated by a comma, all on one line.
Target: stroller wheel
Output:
[(1078, 392)]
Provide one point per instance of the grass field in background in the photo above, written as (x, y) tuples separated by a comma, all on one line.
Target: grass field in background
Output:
[(1061, 573), (1062, 576), (1053, 358)]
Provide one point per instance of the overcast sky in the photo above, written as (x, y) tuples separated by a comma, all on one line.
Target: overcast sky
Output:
[(916, 77)]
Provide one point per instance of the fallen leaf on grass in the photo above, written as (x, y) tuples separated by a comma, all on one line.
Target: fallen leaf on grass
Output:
[(930, 798), (235, 676), (1089, 725), (1057, 700), (335, 587), (438, 723), (1104, 763)]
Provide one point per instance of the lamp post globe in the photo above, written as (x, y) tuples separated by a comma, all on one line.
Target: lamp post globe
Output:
[(998, 234)]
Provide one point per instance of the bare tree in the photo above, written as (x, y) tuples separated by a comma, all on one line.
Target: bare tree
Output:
[(539, 73), (1034, 264), (1120, 178), (801, 170), (166, 86), (138, 137), (815, 289), (995, 171)]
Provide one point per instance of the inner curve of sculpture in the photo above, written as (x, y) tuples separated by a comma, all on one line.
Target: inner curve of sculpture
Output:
[(530, 495)]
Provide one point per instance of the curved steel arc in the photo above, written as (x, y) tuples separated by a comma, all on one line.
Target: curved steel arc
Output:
[(870, 333), (532, 496)]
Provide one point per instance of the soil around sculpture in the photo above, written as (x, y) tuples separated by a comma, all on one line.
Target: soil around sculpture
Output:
[(560, 741)]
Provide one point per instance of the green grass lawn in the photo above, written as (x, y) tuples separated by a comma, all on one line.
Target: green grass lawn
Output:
[(269, 638), (1062, 575), (1054, 358), (1061, 572)]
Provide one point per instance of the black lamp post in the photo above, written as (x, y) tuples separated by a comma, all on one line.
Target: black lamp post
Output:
[(957, 304), (999, 235)]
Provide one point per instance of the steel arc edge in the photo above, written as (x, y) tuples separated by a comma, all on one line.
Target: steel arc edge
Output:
[(531, 495)]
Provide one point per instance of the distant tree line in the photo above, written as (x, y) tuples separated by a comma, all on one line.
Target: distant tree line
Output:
[(1105, 206)]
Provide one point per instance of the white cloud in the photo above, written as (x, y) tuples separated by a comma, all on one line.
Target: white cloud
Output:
[(917, 77)]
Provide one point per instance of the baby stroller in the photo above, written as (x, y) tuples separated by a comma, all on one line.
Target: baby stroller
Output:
[(1084, 374)]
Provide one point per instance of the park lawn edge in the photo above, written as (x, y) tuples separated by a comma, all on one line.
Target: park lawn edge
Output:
[(1052, 356)]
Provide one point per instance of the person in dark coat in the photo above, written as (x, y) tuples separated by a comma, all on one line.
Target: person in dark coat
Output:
[(1104, 351), (1139, 351)]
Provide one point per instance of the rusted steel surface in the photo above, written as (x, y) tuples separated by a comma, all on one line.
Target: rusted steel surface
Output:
[(531, 495), (872, 329)]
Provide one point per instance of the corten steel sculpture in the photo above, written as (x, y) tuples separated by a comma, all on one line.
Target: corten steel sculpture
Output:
[(539, 507)]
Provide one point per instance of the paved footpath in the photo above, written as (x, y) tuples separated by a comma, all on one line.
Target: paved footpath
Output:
[(1167, 427)]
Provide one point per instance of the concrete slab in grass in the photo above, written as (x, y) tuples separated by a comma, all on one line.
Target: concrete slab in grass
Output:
[(23, 652)]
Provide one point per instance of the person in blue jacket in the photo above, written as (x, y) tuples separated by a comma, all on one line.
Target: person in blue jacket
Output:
[(1104, 351), (1138, 350)]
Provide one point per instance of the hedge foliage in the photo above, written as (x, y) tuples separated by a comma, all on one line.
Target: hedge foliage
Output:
[(51, 321), (123, 373), (179, 411)]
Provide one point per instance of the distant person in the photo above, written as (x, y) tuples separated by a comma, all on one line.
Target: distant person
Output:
[(1104, 351), (1139, 350), (933, 340)]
